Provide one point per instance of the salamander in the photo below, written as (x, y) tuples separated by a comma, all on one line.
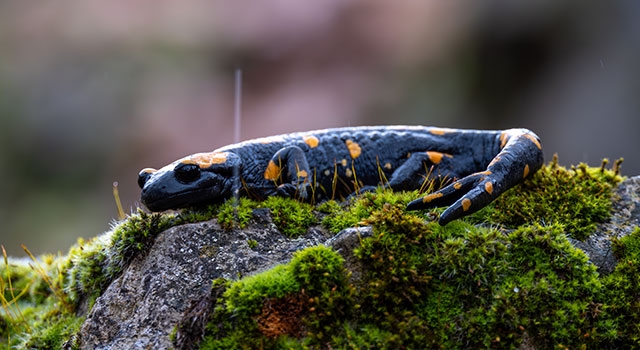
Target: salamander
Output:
[(473, 166)]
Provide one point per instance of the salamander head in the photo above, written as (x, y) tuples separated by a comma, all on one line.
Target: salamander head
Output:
[(198, 178)]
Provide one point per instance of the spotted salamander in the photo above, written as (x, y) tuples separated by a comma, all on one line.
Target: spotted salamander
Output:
[(475, 167)]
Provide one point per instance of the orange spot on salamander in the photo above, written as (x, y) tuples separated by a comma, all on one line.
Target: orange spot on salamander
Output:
[(302, 173), (494, 160), (436, 157), (439, 131), (466, 204), (311, 141), (457, 185), (388, 166), (148, 170), (354, 149), (534, 140), (488, 186), (272, 172), (504, 137), (428, 198), (205, 160), (526, 171)]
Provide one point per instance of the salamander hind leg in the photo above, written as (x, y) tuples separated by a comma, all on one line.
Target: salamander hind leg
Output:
[(520, 156), (289, 170)]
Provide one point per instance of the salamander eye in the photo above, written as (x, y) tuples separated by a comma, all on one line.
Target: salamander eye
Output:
[(187, 173)]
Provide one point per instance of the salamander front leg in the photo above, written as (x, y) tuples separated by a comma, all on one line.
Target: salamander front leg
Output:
[(289, 170)]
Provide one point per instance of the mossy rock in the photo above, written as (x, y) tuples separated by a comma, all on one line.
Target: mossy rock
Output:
[(506, 275)]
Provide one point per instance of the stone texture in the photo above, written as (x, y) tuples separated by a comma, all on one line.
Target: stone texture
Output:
[(140, 308), (625, 217)]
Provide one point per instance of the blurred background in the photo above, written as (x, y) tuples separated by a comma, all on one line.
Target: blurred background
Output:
[(93, 91)]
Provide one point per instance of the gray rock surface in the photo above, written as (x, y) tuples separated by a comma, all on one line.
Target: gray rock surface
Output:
[(625, 217), (141, 308)]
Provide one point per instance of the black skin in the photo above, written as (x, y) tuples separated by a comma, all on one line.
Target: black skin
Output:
[(475, 166)]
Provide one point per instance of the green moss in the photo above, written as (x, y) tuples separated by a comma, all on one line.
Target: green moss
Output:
[(576, 198), (267, 309), (94, 264), (290, 216), (461, 285), (252, 243), (236, 213), (39, 299), (361, 208)]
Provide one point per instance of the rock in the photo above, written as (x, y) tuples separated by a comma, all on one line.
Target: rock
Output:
[(625, 217), (172, 281), (141, 307)]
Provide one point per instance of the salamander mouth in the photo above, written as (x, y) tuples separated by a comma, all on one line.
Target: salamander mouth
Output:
[(175, 201)]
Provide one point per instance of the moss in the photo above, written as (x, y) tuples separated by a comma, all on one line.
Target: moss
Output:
[(456, 286), (94, 264), (361, 207), (255, 312), (40, 298), (290, 216), (576, 198), (236, 213)]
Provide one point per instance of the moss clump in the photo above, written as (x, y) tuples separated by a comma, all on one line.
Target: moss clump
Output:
[(577, 198), (423, 286), (362, 207), (303, 298), (94, 264), (290, 216), (40, 299)]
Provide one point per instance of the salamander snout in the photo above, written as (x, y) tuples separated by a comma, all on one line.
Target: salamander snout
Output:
[(144, 175)]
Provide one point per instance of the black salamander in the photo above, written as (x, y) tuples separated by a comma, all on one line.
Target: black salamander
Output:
[(475, 166)]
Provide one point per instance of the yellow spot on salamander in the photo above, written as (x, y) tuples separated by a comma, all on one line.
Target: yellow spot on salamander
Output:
[(272, 172), (439, 131), (311, 140), (343, 162), (526, 171), (504, 137), (302, 173), (327, 172), (205, 160), (428, 198), (388, 166), (534, 140), (148, 170), (466, 204), (348, 172), (494, 160), (457, 185), (354, 149), (488, 186), (436, 157)]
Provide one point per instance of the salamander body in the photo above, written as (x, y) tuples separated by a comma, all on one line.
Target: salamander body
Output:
[(475, 165)]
